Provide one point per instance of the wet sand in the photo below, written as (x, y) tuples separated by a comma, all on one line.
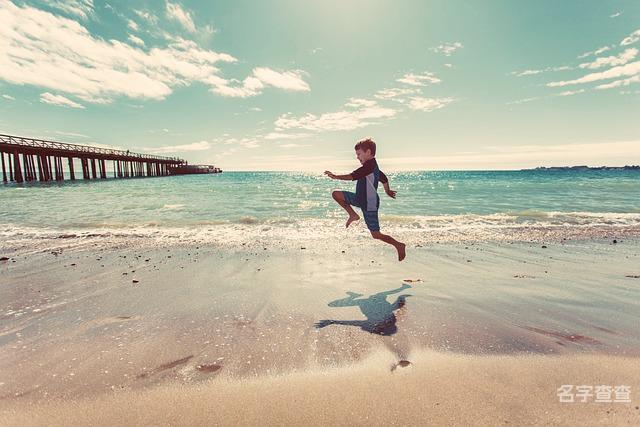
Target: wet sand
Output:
[(240, 334)]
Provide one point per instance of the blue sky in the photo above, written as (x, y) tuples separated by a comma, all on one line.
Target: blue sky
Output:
[(292, 85)]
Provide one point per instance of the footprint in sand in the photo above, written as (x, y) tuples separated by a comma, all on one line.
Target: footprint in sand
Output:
[(165, 366)]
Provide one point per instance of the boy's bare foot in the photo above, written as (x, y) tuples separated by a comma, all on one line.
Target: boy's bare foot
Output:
[(401, 251), (352, 218)]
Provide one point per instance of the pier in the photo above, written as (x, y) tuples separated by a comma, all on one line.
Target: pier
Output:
[(28, 159)]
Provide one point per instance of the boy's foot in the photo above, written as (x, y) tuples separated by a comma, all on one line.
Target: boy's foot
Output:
[(352, 218), (401, 251)]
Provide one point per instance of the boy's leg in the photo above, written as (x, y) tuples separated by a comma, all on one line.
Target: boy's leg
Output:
[(400, 247), (338, 196), (371, 218)]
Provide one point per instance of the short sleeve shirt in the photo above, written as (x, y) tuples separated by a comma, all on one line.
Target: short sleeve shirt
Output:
[(368, 176)]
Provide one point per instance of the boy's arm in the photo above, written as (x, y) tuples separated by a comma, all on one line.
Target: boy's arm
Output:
[(385, 183), (361, 172), (334, 176)]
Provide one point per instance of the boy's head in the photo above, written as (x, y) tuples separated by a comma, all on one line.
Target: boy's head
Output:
[(365, 150)]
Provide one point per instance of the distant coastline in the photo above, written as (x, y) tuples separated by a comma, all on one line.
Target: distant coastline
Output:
[(563, 168)]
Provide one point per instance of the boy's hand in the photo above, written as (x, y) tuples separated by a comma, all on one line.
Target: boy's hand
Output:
[(330, 174), (390, 193)]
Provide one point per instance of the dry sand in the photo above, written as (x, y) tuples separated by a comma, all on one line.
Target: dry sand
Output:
[(437, 389)]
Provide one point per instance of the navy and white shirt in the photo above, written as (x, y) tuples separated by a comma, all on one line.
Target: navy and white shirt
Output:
[(368, 176)]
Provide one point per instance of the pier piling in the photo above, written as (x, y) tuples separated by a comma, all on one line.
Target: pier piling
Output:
[(4, 171), (28, 159)]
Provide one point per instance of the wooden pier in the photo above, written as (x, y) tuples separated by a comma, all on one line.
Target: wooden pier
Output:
[(28, 159)]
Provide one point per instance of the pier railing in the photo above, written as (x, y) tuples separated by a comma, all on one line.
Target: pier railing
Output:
[(31, 159)]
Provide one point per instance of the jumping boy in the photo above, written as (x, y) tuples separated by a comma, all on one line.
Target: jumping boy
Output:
[(366, 195)]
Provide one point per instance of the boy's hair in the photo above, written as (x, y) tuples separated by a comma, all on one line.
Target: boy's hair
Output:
[(366, 144)]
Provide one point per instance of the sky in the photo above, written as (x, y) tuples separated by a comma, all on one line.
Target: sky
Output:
[(293, 85)]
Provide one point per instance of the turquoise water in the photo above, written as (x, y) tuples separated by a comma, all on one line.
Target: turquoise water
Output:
[(563, 197)]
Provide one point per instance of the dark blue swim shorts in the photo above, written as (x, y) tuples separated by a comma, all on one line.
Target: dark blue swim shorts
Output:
[(370, 217)]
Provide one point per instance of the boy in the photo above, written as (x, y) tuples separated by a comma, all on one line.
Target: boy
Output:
[(366, 195)]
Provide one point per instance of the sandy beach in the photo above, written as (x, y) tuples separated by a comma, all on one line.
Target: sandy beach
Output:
[(125, 331)]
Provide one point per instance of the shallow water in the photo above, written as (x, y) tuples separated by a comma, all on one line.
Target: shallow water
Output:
[(245, 197), (273, 207)]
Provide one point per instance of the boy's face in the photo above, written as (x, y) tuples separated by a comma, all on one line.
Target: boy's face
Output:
[(363, 156)]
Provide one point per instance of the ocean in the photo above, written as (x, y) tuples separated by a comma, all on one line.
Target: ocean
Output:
[(252, 203)]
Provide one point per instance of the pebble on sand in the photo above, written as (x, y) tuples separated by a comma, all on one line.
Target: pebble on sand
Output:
[(208, 368)]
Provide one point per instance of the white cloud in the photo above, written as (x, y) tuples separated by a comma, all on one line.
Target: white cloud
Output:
[(447, 48), (347, 119), (535, 98), (136, 40), (49, 98), (359, 102), (633, 37), (357, 113), (79, 8), (595, 52), (9, 97), (41, 49), (611, 61), (618, 83), (619, 68), (132, 25), (195, 146), (177, 13), (527, 72), (288, 80), (630, 69), (249, 87), (570, 92), (258, 80), (524, 100), (428, 104), (419, 79), (146, 16), (615, 15), (544, 70), (395, 93)]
